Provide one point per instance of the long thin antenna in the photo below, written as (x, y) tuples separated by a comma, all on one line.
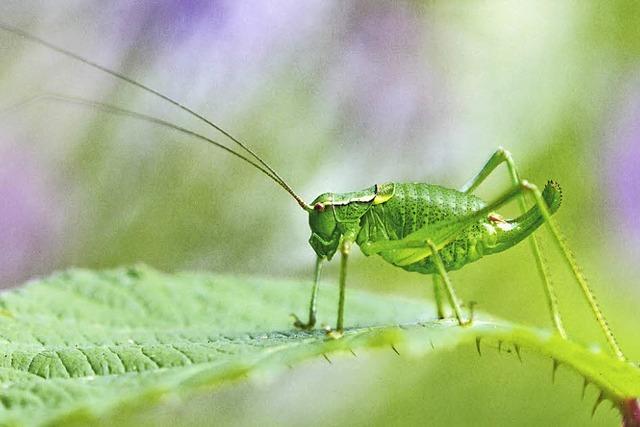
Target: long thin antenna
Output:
[(113, 109), (65, 52)]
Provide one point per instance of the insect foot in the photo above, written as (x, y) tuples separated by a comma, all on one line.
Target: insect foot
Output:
[(301, 325), (334, 333), (469, 321)]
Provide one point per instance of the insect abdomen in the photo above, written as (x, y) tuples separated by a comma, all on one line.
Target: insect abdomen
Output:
[(415, 205)]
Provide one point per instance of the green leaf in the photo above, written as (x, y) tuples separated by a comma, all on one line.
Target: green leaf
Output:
[(85, 347)]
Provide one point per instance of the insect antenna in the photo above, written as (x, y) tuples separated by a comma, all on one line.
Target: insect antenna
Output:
[(113, 109), (272, 173)]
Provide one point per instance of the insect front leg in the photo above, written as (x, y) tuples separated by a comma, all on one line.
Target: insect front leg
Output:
[(503, 156), (345, 250), (313, 303)]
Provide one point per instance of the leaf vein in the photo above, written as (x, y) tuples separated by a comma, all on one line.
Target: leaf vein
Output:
[(64, 365), (189, 358), (143, 352), (87, 359)]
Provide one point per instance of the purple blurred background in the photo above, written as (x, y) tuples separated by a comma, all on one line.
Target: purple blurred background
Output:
[(336, 96)]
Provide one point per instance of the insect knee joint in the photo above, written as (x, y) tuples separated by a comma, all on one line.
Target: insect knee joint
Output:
[(503, 152), (531, 188)]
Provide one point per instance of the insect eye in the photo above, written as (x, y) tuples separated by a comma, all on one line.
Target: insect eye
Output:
[(319, 207)]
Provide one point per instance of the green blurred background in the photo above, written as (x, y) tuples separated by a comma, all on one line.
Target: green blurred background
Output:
[(336, 96)]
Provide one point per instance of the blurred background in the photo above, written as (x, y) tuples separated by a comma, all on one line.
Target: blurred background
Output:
[(336, 96)]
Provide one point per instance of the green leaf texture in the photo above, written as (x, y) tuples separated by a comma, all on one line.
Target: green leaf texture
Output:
[(81, 347)]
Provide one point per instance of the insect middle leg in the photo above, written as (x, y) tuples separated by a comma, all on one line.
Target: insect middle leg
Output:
[(437, 296), (429, 240), (503, 156), (444, 276)]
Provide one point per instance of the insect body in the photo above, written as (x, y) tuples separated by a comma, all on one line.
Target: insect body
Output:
[(418, 227), (396, 211)]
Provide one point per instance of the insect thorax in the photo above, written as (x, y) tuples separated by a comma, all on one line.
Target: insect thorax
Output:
[(336, 214)]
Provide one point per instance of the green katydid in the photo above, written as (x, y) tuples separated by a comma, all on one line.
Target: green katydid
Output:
[(416, 226)]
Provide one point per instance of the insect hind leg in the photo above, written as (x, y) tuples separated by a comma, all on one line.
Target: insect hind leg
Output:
[(503, 156), (429, 240), (573, 265)]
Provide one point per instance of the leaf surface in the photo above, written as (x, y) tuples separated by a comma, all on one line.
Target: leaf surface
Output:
[(81, 347)]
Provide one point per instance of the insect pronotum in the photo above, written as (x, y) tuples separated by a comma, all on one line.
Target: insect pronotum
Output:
[(419, 227)]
